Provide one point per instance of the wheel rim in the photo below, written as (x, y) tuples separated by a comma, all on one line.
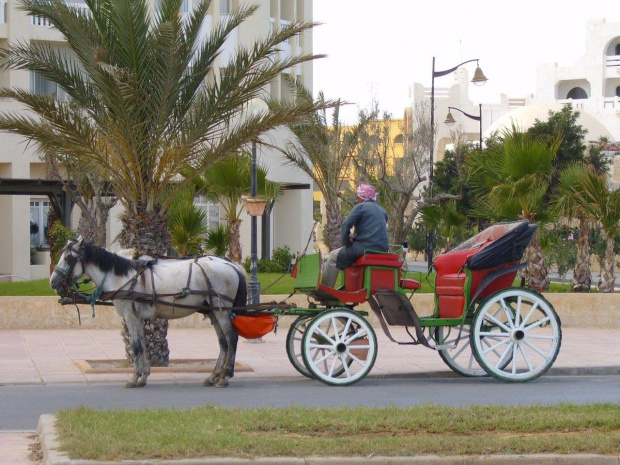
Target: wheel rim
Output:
[(294, 346), (524, 331), (339, 347), (461, 359)]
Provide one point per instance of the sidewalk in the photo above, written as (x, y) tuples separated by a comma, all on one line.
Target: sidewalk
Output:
[(62, 355)]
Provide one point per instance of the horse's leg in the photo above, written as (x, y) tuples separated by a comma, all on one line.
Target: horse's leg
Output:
[(215, 376), (226, 369), (135, 328)]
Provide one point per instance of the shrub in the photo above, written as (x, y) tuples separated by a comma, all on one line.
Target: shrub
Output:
[(59, 236), (280, 262)]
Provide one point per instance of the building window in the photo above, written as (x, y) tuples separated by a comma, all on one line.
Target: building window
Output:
[(211, 210), (617, 49), (225, 7), (577, 93), (39, 209), (39, 85), (399, 139), (618, 91)]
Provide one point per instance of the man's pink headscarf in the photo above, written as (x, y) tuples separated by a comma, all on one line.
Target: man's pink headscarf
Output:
[(366, 192)]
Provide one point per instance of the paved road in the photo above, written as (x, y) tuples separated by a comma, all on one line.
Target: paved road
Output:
[(21, 406)]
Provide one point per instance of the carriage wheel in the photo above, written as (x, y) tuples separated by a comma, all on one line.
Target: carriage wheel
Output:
[(461, 359), (526, 331), (339, 347), (293, 344)]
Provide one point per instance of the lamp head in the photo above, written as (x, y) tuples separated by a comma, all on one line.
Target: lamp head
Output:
[(450, 121), (479, 78)]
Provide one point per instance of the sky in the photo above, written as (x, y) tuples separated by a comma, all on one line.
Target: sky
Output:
[(380, 48)]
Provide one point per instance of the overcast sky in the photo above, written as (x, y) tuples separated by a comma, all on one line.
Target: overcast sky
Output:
[(382, 47)]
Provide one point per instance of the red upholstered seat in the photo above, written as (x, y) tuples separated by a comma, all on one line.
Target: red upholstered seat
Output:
[(409, 284), (379, 259)]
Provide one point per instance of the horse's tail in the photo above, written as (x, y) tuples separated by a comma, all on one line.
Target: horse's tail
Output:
[(241, 298)]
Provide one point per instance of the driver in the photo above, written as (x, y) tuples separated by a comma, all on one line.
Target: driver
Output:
[(370, 223)]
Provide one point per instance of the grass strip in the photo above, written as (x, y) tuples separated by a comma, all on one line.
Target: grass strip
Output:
[(211, 431)]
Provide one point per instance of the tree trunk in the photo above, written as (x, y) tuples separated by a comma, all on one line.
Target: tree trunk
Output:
[(234, 241), (536, 274), (146, 232), (608, 280), (582, 277), (334, 222)]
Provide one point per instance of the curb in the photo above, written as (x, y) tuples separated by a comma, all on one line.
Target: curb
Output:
[(51, 456)]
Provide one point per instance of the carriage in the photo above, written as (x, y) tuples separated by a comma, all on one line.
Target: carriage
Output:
[(481, 324)]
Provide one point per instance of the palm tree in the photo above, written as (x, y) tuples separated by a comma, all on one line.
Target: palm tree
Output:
[(187, 224), (567, 204), (226, 182), (511, 182), (322, 150), (446, 220), (146, 101), (593, 194)]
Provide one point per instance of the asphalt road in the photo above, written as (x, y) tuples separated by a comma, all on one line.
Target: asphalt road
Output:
[(21, 406)]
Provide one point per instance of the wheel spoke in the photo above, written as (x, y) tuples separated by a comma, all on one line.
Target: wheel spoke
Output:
[(508, 315), (530, 313), (334, 325), (514, 358), (488, 344), (500, 362), (497, 322), (493, 334), (535, 349), (537, 324), (525, 357), (518, 311), (359, 335), (492, 348), (326, 336)]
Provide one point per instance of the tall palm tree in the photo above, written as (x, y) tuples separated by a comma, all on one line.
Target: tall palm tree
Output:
[(226, 182), (511, 182), (322, 150), (567, 204), (594, 195), (146, 101)]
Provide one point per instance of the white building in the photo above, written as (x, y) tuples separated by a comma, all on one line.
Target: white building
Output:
[(24, 206), (591, 85)]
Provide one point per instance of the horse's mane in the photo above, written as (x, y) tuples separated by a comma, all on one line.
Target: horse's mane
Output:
[(108, 261)]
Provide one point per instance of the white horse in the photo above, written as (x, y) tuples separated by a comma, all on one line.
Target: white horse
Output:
[(162, 288)]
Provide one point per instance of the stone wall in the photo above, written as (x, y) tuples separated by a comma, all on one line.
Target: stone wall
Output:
[(574, 310)]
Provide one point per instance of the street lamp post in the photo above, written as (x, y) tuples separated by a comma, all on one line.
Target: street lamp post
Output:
[(255, 208), (479, 79), (450, 120)]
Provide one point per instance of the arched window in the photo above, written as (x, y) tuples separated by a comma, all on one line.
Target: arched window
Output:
[(577, 93), (617, 49), (399, 139)]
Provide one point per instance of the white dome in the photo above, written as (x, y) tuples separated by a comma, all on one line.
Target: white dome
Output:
[(524, 117)]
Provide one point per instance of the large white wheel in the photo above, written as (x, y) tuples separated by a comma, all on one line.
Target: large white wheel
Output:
[(293, 344), (339, 347), (461, 359), (525, 334)]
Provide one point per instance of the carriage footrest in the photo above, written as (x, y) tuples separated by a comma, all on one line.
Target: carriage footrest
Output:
[(395, 308), (409, 284)]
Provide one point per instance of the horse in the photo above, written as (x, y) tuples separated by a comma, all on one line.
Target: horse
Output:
[(160, 288)]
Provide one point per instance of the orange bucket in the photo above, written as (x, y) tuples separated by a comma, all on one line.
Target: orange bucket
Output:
[(254, 326)]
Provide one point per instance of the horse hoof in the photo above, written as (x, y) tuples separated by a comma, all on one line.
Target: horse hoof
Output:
[(208, 382), (221, 383), (141, 384), (131, 384)]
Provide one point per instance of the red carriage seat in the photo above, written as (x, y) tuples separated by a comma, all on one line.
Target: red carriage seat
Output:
[(452, 294), (385, 273)]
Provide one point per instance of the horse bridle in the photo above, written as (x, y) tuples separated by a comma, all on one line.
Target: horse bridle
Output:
[(71, 260)]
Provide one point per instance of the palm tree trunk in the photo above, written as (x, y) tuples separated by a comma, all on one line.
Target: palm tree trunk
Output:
[(234, 241), (608, 280), (334, 222), (536, 274), (582, 276), (146, 232)]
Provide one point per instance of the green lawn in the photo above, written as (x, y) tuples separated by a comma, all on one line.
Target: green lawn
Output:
[(211, 431)]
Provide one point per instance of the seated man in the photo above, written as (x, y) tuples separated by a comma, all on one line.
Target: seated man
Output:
[(369, 220)]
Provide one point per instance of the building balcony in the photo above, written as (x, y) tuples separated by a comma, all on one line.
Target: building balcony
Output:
[(577, 104), (612, 66), (41, 21)]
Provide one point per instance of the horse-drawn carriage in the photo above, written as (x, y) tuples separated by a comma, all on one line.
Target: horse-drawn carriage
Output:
[(481, 324)]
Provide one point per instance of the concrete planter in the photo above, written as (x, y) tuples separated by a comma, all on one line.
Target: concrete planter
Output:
[(574, 310)]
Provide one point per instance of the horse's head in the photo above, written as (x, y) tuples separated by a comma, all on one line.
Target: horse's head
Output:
[(70, 267)]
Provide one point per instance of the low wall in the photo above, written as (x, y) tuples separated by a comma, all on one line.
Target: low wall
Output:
[(574, 310)]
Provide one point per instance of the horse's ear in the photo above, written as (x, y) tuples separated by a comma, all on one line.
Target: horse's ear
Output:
[(79, 239)]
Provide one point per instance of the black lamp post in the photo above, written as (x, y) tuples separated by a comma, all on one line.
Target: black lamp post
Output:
[(479, 79), (255, 208), (450, 119)]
